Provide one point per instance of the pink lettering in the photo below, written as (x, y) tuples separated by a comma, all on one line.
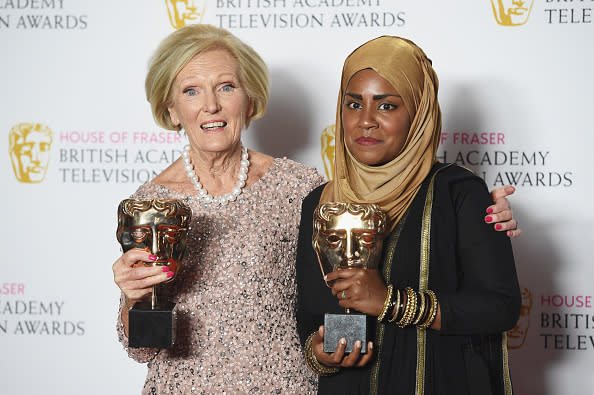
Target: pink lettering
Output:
[(82, 137), (12, 289), (577, 301), (465, 138)]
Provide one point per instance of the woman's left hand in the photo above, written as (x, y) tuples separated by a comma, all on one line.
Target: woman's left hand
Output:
[(500, 214), (359, 289)]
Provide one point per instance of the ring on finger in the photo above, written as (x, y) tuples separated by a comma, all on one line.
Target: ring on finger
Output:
[(342, 295)]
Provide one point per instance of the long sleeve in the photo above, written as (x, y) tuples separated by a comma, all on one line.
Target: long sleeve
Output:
[(486, 298), (310, 285)]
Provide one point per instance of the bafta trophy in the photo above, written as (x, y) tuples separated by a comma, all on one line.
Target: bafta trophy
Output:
[(347, 235), (159, 226)]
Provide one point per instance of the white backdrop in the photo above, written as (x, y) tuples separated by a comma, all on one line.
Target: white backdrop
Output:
[(516, 94)]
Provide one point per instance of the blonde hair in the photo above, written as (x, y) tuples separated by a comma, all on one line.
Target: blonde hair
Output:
[(177, 49)]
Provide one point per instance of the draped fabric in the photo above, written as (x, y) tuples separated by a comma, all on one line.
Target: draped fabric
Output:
[(393, 185)]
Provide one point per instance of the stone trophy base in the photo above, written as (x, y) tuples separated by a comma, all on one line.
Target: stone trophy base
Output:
[(148, 327), (352, 327)]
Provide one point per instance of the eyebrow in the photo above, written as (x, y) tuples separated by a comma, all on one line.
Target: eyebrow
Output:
[(375, 97)]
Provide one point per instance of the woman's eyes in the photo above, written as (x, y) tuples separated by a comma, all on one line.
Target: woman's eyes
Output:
[(381, 106), (190, 91), (386, 106), (354, 105), (227, 87)]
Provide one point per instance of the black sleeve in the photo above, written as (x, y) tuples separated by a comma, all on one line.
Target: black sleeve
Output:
[(311, 288), (487, 297)]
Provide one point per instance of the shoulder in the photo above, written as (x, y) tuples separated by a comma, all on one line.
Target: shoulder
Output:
[(144, 190), (452, 172), (452, 175), (462, 186), (298, 174), (313, 198)]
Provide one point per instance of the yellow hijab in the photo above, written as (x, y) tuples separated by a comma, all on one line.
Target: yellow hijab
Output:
[(393, 185)]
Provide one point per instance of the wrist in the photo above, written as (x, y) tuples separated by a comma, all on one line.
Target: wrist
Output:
[(313, 363)]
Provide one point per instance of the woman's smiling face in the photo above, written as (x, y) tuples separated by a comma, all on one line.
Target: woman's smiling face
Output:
[(209, 102), (374, 119)]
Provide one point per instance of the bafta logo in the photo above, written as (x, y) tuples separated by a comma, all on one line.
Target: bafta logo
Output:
[(327, 150), (185, 12), (29, 147), (512, 12), (517, 336)]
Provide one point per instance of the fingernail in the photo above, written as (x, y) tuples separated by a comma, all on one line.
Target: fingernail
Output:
[(342, 341), (152, 257), (325, 277), (498, 226), (169, 274), (489, 210), (370, 346), (358, 343), (488, 218), (165, 268)]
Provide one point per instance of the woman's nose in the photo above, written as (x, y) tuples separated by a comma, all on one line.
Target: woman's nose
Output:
[(367, 119), (211, 103)]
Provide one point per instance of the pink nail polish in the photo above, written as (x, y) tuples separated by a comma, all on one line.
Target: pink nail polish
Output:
[(165, 268), (169, 274), (498, 226), (489, 210), (152, 257), (488, 218)]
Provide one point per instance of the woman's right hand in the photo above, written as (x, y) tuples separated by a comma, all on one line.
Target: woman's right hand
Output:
[(338, 357), (136, 279)]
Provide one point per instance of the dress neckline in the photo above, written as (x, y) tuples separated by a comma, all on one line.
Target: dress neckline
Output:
[(246, 191)]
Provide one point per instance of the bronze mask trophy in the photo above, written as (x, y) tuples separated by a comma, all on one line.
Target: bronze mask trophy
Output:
[(347, 235), (159, 226)]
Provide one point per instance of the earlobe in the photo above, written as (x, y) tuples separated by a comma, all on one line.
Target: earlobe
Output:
[(251, 105), (173, 116)]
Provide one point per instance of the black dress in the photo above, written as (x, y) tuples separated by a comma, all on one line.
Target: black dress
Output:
[(470, 268)]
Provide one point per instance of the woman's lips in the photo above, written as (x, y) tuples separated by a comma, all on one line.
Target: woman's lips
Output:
[(367, 141), (213, 126)]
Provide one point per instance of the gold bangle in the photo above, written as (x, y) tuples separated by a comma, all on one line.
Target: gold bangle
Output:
[(386, 304), (411, 307), (312, 361), (396, 308), (421, 309), (432, 311)]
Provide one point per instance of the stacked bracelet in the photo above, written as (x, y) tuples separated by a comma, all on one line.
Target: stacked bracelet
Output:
[(429, 317), (387, 304), (421, 309), (396, 307), (410, 309), (312, 361)]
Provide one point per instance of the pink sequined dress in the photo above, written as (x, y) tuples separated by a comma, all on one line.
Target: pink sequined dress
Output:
[(235, 294)]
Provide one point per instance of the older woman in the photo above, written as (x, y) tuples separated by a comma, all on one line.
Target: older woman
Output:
[(447, 288), (235, 292)]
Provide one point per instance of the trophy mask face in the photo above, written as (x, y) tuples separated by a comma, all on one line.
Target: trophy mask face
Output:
[(185, 12), (512, 12), (30, 151), (348, 235), (158, 226)]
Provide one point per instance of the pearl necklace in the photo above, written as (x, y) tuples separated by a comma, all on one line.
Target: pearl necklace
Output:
[(203, 193)]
